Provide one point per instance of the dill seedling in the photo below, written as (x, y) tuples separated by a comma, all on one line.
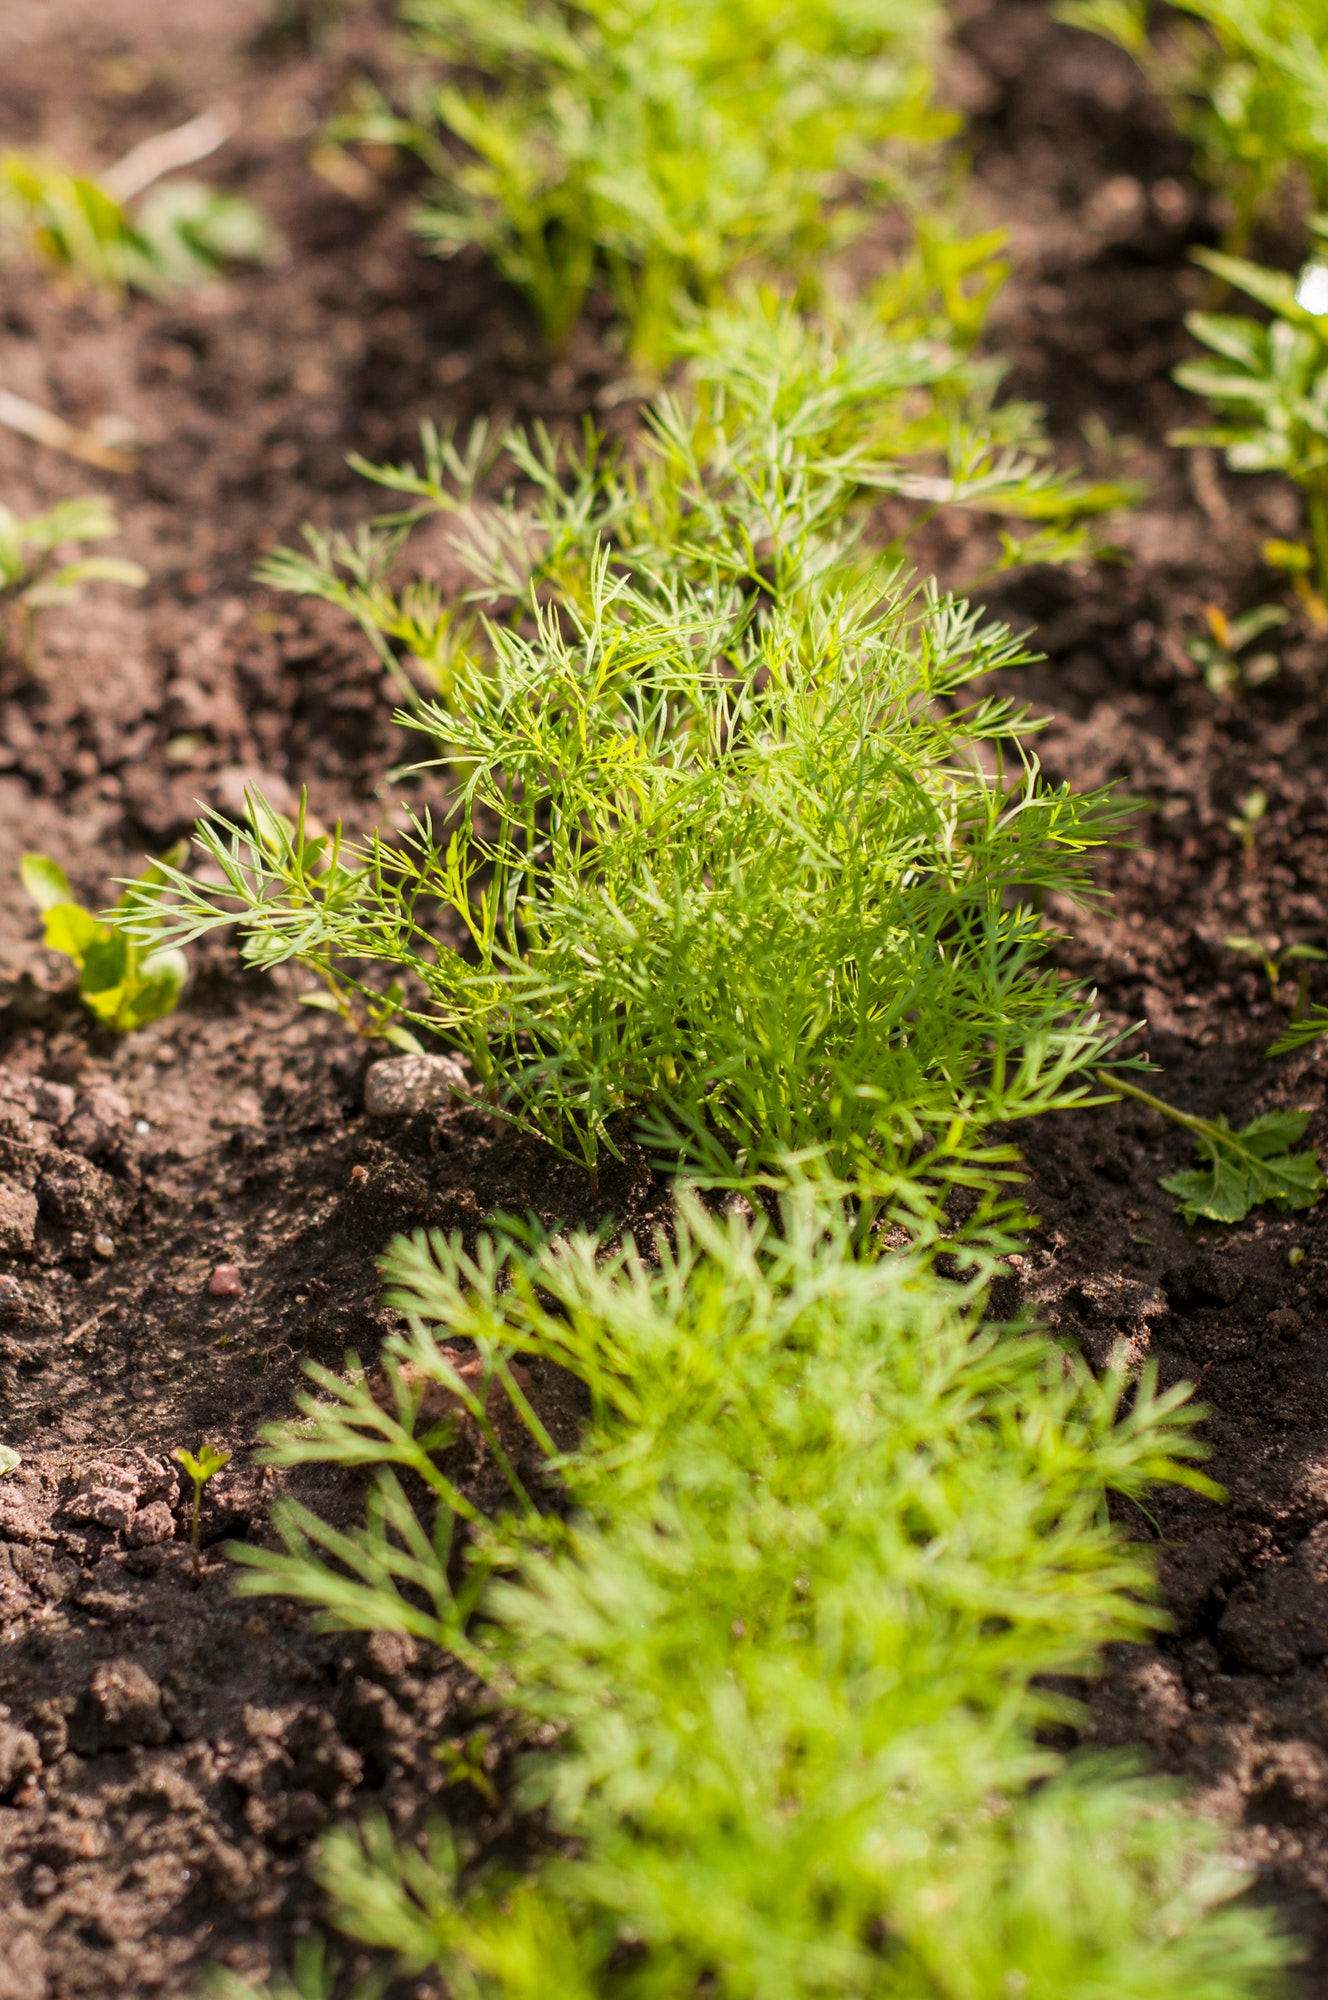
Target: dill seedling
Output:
[(1273, 958), (756, 474), (1217, 653), (1269, 386), (208, 1462), (1245, 824), (748, 884), (828, 1537)]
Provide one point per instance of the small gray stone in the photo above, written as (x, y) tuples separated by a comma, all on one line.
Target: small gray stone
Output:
[(18, 1217), (404, 1085), (120, 1707)]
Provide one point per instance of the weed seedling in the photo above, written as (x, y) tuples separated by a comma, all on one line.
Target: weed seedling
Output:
[(1242, 1169), (1217, 654), (1245, 824), (1273, 959), (179, 234), (125, 981), (32, 574), (208, 1462), (1269, 387)]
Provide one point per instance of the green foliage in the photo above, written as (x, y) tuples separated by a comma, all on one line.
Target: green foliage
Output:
[(734, 853), (313, 1977), (829, 1536), (125, 980), (1247, 81), (1269, 385), (657, 146), (756, 475), (10, 1460), (1299, 1031), (748, 882), (180, 233), (1241, 1169), (33, 576)]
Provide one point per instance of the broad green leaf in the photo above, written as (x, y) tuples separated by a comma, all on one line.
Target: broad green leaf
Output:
[(157, 990), (402, 1038), (45, 881), (73, 930), (1246, 1168), (108, 961), (10, 1460), (1274, 289)]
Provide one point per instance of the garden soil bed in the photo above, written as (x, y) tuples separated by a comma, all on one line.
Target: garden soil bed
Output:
[(169, 1754)]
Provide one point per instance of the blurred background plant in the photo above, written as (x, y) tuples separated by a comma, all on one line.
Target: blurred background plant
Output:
[(795, 1645), (1269, 387), (36, 570), (657, 147), (1247, 83), (126, 981), (133, 229)]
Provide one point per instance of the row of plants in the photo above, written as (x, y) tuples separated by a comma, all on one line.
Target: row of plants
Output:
[(744, 861)]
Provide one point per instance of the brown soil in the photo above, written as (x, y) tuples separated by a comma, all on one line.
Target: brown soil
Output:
[(168, 1754)]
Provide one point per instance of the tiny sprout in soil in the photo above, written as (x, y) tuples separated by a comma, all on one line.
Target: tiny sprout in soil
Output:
[(200, 1470)]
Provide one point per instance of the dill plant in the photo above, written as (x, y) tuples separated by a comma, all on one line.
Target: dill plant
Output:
[(658, 146), (827, 1534), (763, 887)]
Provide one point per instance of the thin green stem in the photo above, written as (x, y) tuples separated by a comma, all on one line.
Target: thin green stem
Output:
[(1200, 1125)]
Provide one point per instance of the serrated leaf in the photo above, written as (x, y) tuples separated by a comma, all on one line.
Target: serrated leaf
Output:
[(1246, 1168)]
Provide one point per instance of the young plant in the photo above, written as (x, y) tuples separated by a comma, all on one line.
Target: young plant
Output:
[(656, 147), (1246, 823), (1242, 1169), (745, 884), (1269, 386), (1218, 654), (125, 980), (208, 1463), (180, 233), (829, 1540), (34, 571), (1247, 82), (1274, 960)]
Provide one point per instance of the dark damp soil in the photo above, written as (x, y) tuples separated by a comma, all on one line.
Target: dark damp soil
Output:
[(168, 1753)]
